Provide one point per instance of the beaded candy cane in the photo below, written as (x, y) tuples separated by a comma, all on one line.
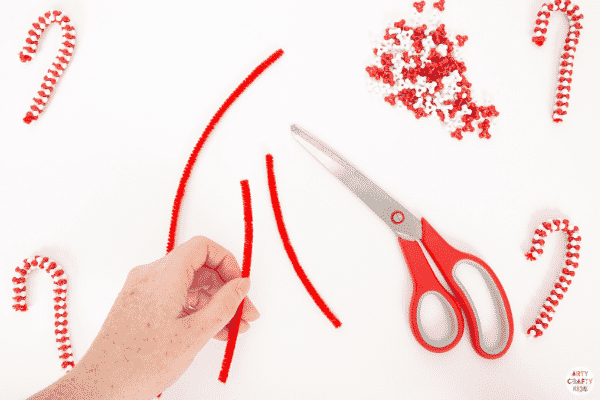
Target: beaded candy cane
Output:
[(58, 67), (60, 288), (573, 15), (560, 286)]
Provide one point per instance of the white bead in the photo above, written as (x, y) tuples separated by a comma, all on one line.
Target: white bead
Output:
[(539, 326), (70, 358), (22, 302), (61, 319), (553, 297), (59, 335), (570, 7), (544, 320), (67, 342)]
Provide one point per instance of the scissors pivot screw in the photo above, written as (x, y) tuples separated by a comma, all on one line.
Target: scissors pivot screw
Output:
[(397, 217)]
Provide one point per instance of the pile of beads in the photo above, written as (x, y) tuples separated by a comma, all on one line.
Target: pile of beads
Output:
[(563, 86), (560, 286), (60, 64), (63, 342), (418, 68)]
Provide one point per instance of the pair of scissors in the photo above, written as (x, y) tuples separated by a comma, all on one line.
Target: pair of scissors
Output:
[(415, 237)]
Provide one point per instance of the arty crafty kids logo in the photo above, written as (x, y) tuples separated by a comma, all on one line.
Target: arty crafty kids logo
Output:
[(580, 380)]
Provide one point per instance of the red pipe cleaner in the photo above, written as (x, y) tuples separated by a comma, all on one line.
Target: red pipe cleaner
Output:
[(209, 128), (290, 250), (234, 325)]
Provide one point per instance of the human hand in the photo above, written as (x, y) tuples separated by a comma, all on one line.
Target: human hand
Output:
[(151, 335)]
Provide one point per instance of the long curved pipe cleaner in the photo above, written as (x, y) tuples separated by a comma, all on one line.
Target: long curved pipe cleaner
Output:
[(290, 250), (234, 325), (209, 128)]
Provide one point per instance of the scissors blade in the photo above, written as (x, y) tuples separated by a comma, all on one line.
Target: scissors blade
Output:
[(401, 221)]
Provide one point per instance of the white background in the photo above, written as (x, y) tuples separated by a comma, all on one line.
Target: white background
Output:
[(91, 184)]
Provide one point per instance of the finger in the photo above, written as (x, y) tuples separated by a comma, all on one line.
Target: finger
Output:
[(206, 323), (220, 260), (199, 301), (223, 334), (250, 313), (197, 252)]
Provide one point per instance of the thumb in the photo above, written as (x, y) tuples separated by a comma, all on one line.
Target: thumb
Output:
[(207, 322)]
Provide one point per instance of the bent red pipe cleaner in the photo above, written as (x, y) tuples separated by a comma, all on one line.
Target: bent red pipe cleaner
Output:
[(567, 272), (209, 128), (58, 67), (233, 327), (573, 15), (63, 342), (285, 239), (418, 67)]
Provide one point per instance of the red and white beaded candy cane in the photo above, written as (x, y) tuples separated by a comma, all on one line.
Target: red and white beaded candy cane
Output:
[(573, 15), (60, 288), (560, 286), (60, 64)]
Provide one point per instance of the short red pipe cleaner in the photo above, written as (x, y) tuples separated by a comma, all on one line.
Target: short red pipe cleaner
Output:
[(234, 325), (290, 250), (209, 128), (63, 342)]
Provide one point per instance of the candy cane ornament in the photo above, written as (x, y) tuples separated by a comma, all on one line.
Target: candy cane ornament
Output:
[(573, 15), (63, 342), (568, 271), (60, 64)]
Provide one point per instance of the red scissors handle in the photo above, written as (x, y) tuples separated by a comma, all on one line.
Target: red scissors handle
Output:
[(425, 283), (447, 259)]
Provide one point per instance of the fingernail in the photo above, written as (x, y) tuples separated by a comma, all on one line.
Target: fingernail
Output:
[(243, 287)]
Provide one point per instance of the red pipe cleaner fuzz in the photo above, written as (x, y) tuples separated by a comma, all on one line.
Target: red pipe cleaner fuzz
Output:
[(209, 128), (234, 325), (568, 270), (290, 250), (63, 342), (58, 67), (418, 67), (573, 15)]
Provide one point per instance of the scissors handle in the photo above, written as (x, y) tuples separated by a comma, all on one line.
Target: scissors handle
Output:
[(425, 283), (447, 259)]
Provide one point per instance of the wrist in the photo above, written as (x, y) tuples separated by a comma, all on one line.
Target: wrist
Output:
[(75, 385)]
